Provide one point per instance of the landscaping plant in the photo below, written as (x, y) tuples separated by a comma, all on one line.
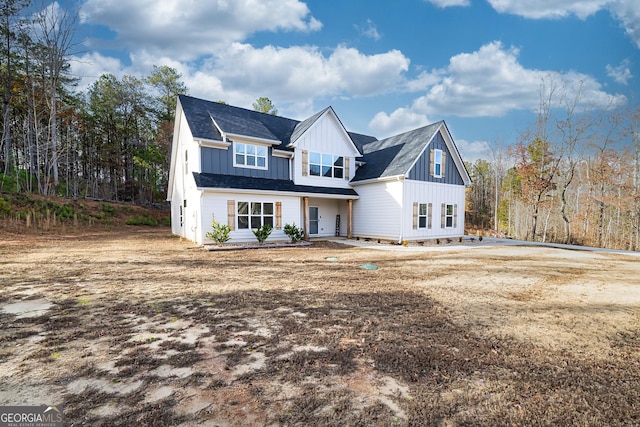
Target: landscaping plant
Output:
[(262, 233), (294, 232), (219, 233)]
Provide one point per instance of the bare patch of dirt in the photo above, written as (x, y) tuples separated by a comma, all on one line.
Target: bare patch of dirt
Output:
[(140, 327)]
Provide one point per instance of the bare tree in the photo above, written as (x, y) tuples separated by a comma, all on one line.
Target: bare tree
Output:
[(55, 29)]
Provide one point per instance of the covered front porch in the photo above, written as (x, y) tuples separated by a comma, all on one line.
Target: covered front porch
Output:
[(326, 216)]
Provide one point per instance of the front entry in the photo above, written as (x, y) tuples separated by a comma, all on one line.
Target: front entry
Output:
[(314, 219)]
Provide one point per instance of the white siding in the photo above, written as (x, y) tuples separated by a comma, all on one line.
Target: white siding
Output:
[(436, 194), (183, 183), (378, 211), (324, 136), (214, 205), (327, 210)]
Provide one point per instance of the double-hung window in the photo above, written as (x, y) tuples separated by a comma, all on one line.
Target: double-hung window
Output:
[(449, 213), (255, 214), (424, 215), (326, 165), (249, 156)]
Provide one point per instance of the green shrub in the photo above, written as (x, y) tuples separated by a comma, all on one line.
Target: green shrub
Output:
[(5, 207), (262, 233), (219, 233), (142, 220), (294, 232), (109, 210)]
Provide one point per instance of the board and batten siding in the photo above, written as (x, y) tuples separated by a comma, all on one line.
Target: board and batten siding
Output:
[(436, 194), (324, 136), (215, 205), (328, 209), (377, 213), (220, 161), (186, 161), (420, 171)]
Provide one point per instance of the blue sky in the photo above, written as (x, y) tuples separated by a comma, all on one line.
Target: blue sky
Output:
[(385, 66)]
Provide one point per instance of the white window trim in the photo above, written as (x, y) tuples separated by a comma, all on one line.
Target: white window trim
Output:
[(427, 216), (437, 163), (333, 160), (245, 166), (249, 215), (447, 216)]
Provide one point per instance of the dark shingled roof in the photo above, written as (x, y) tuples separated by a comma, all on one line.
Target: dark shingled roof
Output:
[(395, 155), (240, 121), (210, 180), (360, 140), (389, 157)]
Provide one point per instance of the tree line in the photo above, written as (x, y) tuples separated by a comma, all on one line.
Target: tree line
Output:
[(111, 141), (573, 177)]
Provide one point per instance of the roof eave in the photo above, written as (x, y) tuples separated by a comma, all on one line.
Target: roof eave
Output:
[(266, 141), (277, 193), (401, 177)]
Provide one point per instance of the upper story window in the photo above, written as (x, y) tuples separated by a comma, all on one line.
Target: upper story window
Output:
[(249, 156), (437, 163), (326, 165)]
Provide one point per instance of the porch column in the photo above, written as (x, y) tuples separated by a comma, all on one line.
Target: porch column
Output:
[(305, 217), (349, 218)]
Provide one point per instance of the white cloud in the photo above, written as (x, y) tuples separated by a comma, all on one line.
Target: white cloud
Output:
[(628, 12), (89, 67), (296, 73), (449, 3), (549, 9), (474, 150), (621, 73), (204, 41), (188, 29), (401, 120), (490, 83), (625, 11), (370, 30)]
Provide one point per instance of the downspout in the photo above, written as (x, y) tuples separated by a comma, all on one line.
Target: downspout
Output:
[(400, 239)]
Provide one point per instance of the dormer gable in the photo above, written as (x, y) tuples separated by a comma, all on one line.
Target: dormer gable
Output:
[(324, 132)]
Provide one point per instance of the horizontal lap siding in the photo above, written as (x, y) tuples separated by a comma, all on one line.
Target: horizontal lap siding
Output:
[(220, 161), (377, 212), (436, 194), (215, 204)]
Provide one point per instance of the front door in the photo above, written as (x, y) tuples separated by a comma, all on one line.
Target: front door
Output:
[(314, 219)]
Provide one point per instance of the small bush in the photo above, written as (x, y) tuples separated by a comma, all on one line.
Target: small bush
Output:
[(109, 210), (219, 233), (262, 233), (142, 220), (5, 207), (294, 232)]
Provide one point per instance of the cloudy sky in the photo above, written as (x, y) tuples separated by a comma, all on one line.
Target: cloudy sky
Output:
[(384, 66)]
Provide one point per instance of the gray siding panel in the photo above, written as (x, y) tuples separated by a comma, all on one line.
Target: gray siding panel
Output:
[(420, 171), (219, 161)]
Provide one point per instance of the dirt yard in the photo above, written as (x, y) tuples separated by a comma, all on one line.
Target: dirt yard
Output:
[(141, 328)]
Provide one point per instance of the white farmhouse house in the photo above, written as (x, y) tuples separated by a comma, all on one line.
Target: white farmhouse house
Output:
[(246, 169)]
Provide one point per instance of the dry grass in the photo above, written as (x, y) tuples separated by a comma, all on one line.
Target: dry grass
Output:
[(147, 329)]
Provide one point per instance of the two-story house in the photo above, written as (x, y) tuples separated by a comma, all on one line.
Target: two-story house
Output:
[(247, 169)]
